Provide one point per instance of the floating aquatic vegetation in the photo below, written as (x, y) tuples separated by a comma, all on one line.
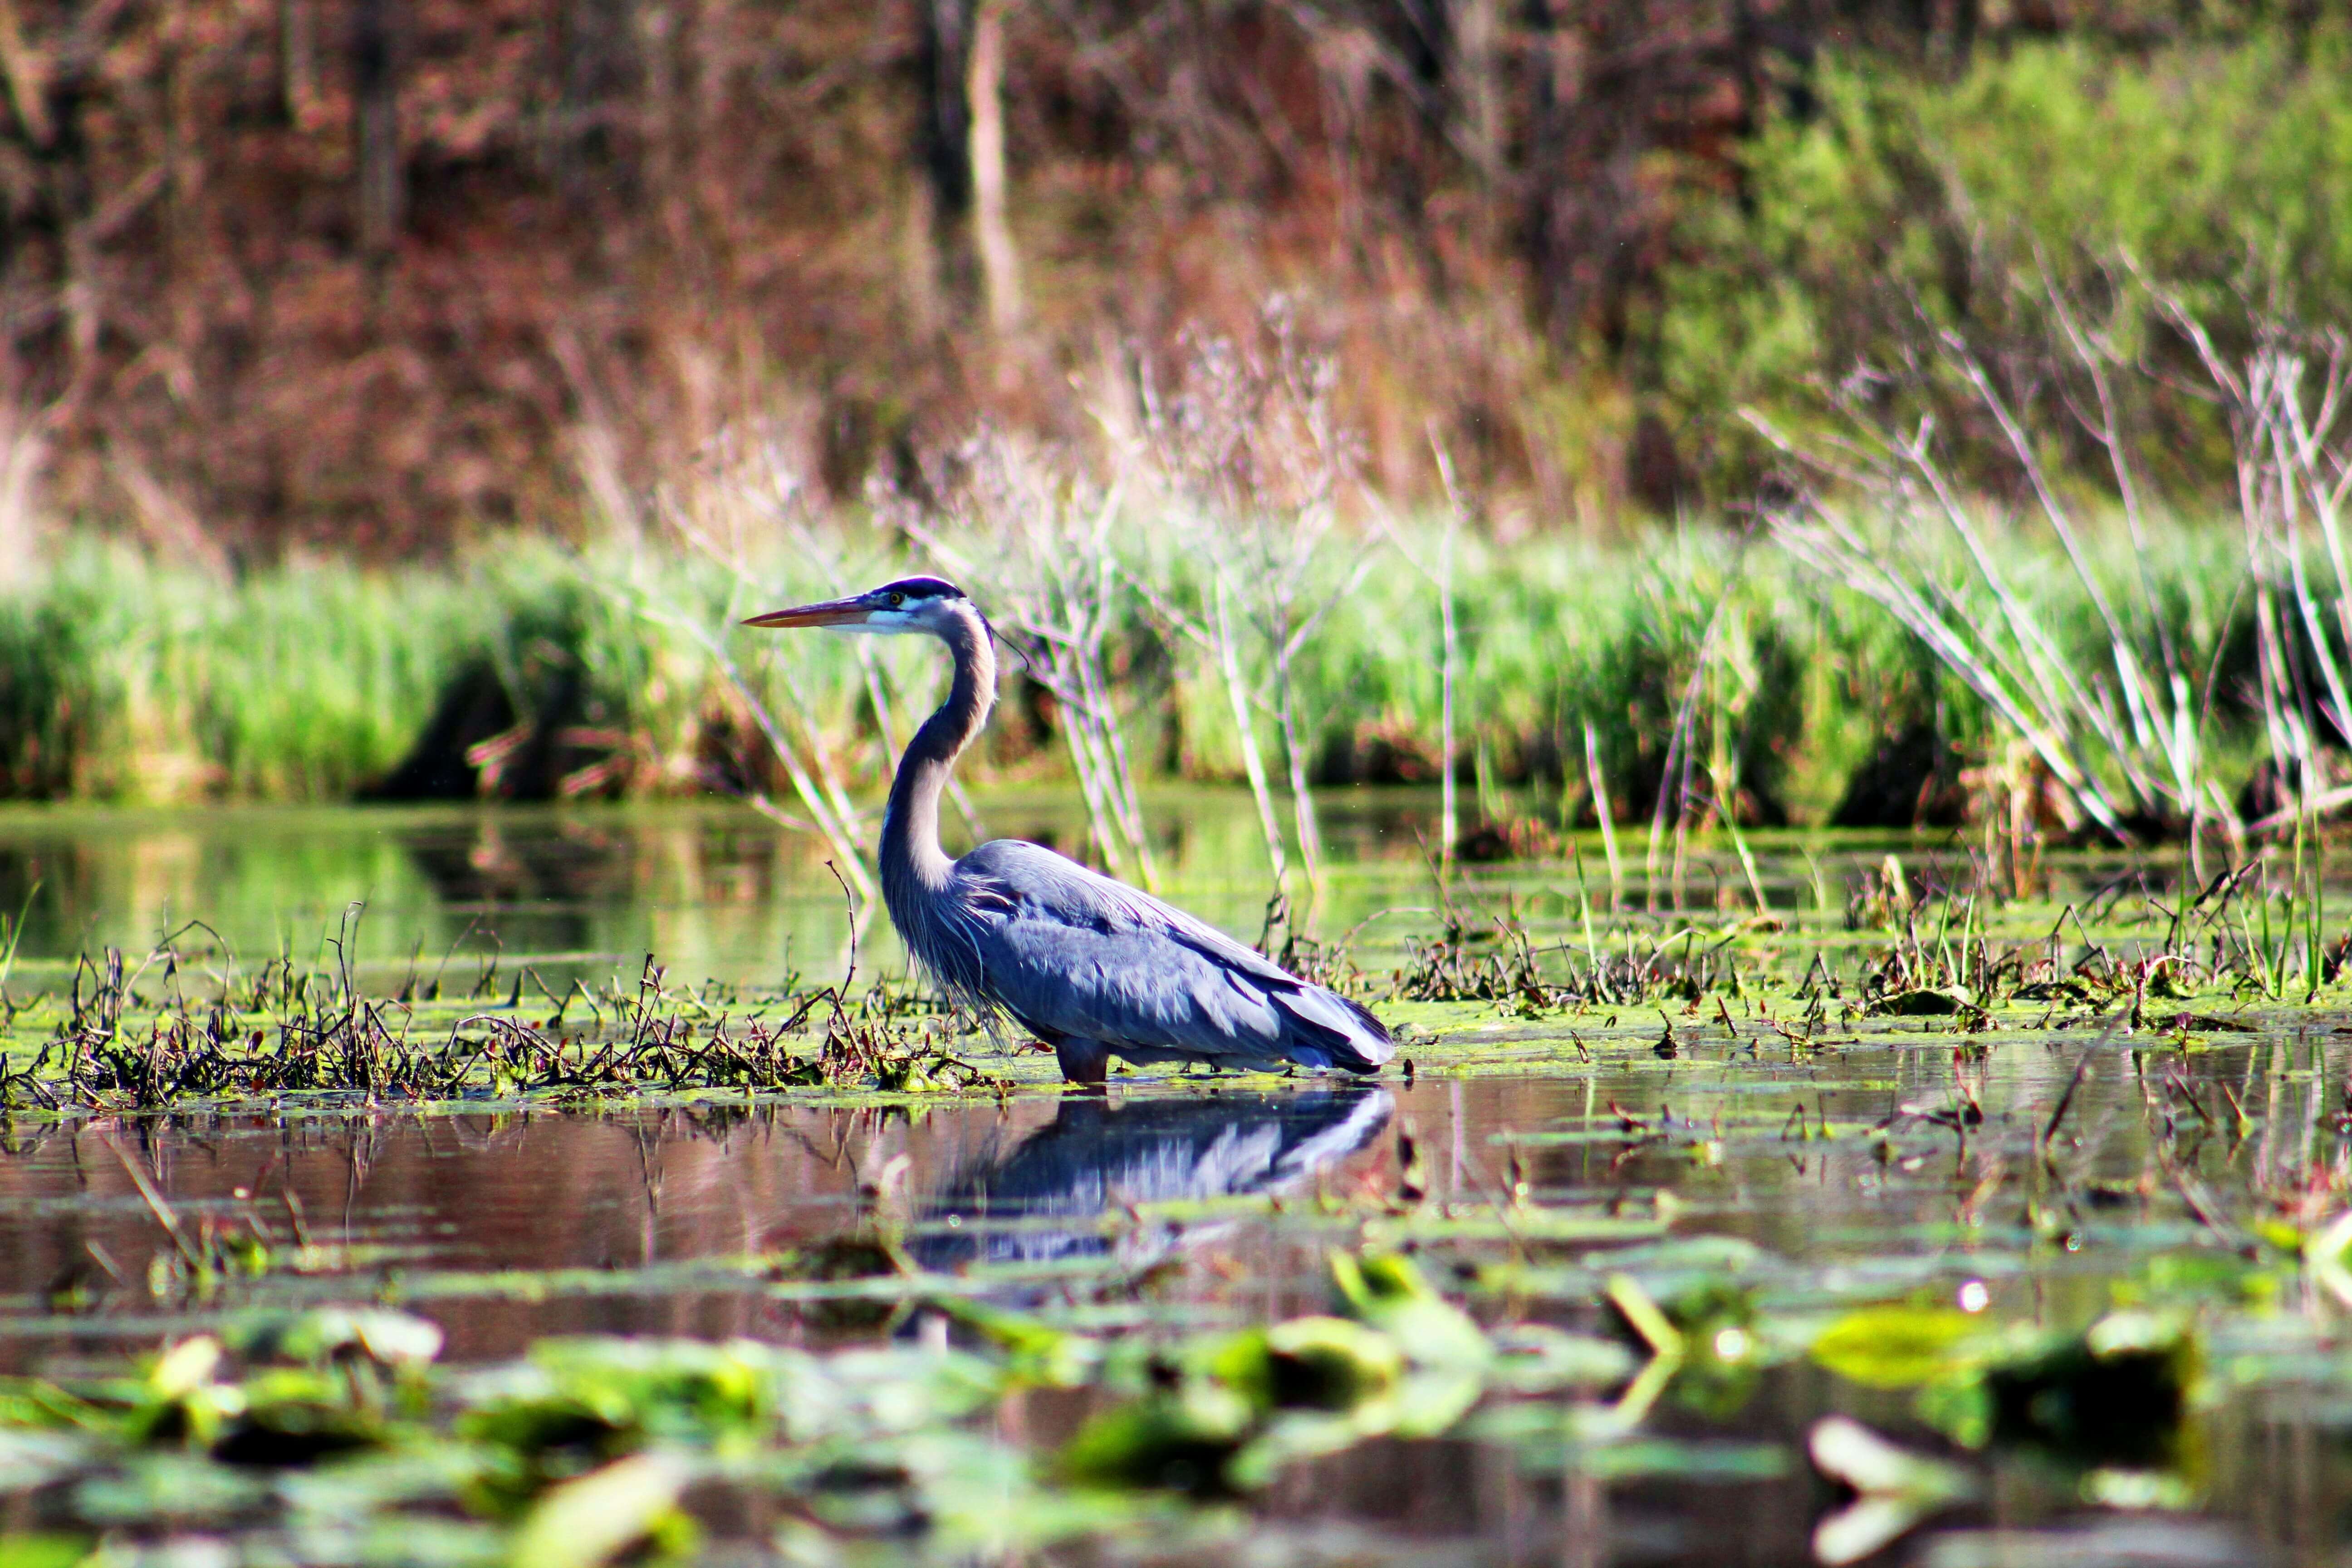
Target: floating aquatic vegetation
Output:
[(1219, 1417), (589, 1446), (2113, 1400), (2110, 1177), (1893, 1489), (1973, 949), (1894, 1347)]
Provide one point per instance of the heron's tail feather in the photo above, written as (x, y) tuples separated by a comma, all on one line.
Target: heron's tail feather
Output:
[(1326, 1022)]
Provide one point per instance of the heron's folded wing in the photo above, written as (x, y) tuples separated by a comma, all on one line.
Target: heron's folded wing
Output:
[(1047, 884), (1125, 983), (1075, 953)]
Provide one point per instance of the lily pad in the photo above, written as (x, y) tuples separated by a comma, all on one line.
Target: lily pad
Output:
[(1894, 1347)]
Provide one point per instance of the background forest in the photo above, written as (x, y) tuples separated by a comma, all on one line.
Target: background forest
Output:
[(380, 275)]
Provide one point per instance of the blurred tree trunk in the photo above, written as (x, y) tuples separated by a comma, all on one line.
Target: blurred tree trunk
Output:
[(63, 81), (375, 51), (1000, 265), (298, 60), (1476, 29), (24, 452), (604, 53), (1428, 68), (664, 120), (23, 69), (1556, 61), (946, 143)]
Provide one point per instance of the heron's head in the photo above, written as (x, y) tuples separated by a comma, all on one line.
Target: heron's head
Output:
[(908, 605)]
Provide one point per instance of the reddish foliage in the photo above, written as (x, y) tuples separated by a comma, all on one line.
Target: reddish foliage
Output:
[(242, 285)]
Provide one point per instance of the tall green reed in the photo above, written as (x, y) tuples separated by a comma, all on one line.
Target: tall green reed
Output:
[(1687, 670)]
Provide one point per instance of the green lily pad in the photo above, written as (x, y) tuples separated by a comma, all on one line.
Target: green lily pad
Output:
[(1894, 1347)]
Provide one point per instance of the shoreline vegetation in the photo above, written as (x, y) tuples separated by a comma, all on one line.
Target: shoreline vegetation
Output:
[(1988, 578), (1583, 676), (1518, 982)]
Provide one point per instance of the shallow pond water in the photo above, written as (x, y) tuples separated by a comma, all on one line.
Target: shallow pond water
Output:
[(1176, 1207), (2037, 1165), (716, 890)]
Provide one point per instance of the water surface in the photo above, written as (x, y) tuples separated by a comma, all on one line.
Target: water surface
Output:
[(1529, 1158), (716, 890), (1149, 1212)]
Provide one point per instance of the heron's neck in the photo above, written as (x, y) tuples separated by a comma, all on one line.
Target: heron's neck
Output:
[(911, 855)]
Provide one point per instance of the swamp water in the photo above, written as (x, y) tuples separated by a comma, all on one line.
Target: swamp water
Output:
[(2063, 1237)]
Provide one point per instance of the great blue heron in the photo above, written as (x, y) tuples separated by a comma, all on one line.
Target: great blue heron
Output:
[(1092, 967)]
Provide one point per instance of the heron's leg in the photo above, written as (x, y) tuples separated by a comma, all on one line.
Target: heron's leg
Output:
[(1083, 1061)]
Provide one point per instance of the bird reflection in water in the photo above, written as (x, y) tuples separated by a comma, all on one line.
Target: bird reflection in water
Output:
[(1096, 1157)]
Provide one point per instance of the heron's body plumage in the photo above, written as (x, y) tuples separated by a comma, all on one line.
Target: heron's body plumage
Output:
[(1072, 955), (1093, 967)]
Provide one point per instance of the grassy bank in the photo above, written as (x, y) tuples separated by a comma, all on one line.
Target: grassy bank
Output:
[(530, 670)]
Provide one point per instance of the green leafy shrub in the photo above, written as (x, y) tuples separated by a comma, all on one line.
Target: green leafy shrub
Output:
[(2047, 182)]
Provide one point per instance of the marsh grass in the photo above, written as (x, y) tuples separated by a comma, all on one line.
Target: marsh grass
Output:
[(1687, 684)]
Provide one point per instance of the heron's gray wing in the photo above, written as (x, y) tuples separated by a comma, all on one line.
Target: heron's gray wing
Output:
[(1310, 1007), (1074, 954)]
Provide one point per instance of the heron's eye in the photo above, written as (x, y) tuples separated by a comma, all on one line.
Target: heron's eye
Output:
[(894, 600)]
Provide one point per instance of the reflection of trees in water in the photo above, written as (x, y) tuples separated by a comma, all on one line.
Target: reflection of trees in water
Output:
[(735, 893), (487, 861), (260, 883), (68, 871), (549, 882), (1095, 1157), (492, 1189)]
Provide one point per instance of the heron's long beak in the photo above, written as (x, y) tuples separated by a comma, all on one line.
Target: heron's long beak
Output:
[(832, 612)]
